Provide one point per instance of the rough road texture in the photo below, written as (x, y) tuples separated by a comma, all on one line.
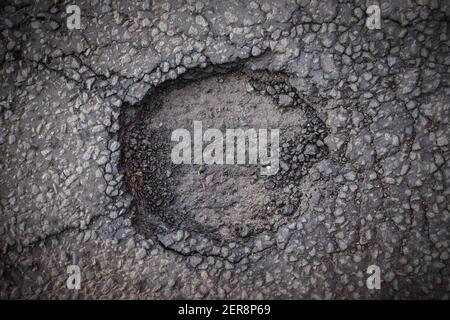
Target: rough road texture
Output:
[(380, 196)]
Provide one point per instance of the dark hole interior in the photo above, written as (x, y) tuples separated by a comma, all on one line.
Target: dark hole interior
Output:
[(222, 203)]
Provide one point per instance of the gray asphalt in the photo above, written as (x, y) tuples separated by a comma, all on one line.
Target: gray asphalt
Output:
[(380, 195)]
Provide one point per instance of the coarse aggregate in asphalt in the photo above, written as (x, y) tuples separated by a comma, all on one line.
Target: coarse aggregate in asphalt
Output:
[(364, 181)]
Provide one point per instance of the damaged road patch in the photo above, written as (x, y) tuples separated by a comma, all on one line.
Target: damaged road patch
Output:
[(198, 208)]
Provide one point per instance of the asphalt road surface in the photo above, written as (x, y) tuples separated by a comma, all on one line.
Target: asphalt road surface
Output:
[(85, 121)]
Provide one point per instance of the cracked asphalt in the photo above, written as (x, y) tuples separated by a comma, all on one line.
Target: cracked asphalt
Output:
[(379, 195)]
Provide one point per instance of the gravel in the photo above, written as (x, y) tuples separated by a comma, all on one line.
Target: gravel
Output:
[(374, 190)]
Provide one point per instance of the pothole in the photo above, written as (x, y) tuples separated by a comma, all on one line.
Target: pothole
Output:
[(228, 210)]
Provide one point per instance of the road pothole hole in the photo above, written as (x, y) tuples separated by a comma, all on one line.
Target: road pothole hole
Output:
[(202, 208)]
